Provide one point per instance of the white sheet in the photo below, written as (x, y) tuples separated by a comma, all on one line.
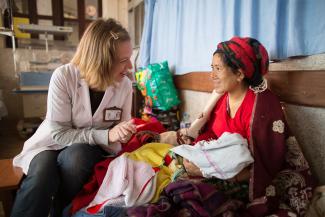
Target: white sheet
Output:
[(222, 158)]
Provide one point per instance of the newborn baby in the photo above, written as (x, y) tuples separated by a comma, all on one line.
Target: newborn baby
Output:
[(223, 158)]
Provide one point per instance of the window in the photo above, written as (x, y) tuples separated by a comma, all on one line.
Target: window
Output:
[(91, 9), (136, 20), (135, 24), (74, 13), (20, 6), (70, 9)]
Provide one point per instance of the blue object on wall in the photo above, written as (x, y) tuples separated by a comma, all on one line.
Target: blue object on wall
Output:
[(34, 80)]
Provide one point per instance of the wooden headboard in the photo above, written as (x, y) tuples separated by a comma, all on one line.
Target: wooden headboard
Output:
[(300, 87)]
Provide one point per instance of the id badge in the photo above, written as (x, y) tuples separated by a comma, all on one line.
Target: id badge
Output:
[(112, 114)]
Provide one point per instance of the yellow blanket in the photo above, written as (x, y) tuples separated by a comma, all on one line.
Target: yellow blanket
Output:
[(154, 154)]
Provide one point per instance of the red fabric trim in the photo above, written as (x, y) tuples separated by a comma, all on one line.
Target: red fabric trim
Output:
[(145, 185), (156, 169), (168, 159), (96, 208)]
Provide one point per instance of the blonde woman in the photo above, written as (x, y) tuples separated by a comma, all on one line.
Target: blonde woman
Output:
[(88, 117)]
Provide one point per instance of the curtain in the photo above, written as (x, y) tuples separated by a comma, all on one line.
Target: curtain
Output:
[(186, 32)]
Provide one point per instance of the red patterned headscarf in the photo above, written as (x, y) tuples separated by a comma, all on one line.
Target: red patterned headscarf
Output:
[(247, 54)]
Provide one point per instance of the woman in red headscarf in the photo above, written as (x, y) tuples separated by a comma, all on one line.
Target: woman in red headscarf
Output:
[(279, 181)]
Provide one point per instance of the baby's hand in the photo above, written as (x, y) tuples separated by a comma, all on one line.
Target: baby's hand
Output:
[(191, 169)]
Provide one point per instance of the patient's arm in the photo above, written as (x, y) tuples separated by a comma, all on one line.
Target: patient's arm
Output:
[(193, 170), (196, 126), (187, 135)]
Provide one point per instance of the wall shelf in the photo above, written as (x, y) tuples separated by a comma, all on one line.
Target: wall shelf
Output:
[(11, 34), (7, 32), (29, 91), (56, 30)]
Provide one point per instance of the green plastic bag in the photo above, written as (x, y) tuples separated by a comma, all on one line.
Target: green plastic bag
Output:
[(156, 84)]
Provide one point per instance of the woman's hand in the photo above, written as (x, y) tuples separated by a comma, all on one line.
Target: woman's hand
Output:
[(122, 132), (191, 169), (184, 136)]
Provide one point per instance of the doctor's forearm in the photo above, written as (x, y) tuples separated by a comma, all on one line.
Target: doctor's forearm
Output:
[(64, 134)]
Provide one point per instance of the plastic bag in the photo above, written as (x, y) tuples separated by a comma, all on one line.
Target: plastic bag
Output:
[(156, 85)]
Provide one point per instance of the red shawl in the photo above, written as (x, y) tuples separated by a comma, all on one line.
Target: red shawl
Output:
[(280, 175)]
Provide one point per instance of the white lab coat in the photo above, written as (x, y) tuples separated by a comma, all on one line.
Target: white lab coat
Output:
[(68, 101)]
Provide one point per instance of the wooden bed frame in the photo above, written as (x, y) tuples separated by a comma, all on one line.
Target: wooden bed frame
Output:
[(299, 87)]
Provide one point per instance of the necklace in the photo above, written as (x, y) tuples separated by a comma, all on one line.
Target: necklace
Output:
[(235, 105), (227, 105)]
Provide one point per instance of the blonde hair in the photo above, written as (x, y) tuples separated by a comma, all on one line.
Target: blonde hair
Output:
[(97, 52)]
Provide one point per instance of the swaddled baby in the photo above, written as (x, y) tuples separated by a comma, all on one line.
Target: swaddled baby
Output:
[(223, 158)]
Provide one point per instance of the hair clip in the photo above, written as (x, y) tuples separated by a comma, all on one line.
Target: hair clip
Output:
[(114, 35)]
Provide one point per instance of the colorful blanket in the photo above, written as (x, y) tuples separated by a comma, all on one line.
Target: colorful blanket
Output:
[(89, 190)]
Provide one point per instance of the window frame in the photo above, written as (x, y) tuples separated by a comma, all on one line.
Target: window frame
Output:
[(135, 23), (57, 17)]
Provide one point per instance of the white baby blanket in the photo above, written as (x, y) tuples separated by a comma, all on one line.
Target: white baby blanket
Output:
[(222, 158)]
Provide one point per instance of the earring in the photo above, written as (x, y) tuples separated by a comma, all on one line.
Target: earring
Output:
[(240, 78)]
